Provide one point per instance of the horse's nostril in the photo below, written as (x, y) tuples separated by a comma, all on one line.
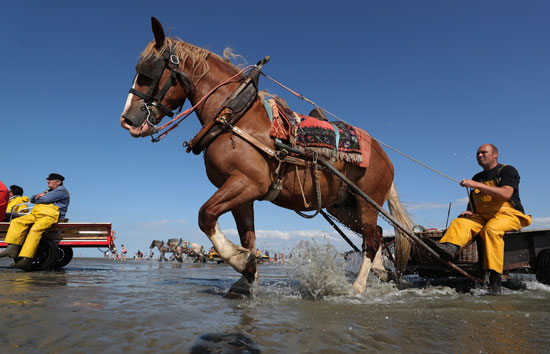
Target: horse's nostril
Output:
[(129, 122)]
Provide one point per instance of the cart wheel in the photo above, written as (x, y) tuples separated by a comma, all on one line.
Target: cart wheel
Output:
[(543, 266), (65, 256), (46, 256)]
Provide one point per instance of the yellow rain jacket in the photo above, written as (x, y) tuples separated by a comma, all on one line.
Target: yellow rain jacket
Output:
[(13, 206), (491, 220)]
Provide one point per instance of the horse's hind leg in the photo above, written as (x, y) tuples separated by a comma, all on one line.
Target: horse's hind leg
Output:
[(371, 244), (378, 268), (360, 217)]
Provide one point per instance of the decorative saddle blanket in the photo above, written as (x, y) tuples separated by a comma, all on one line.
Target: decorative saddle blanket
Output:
[(332, 140)]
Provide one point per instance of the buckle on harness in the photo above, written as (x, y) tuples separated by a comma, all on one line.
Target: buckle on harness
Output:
[(174, 59)]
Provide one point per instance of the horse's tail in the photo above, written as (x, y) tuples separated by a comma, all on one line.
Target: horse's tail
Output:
[(402, 243)]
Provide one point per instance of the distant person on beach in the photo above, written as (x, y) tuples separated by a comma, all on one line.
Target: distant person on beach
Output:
[(4, 197), (494, 209), (16, 203), (123, 252), (25, 232), (114, 254)]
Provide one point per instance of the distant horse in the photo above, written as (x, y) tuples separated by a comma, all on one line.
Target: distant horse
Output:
[(162, 249), (194, 250), (175, 246), (170, 71)]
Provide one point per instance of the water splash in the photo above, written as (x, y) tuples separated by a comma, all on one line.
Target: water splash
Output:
[(535, 286), (320, 270)]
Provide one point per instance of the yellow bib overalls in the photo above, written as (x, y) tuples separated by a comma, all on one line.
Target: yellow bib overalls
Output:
[(41, 218), (492, 219)]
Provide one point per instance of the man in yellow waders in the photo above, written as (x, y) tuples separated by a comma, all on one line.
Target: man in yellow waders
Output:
[(50, 206), (496, 209)]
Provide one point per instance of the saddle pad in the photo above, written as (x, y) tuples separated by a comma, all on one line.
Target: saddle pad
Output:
[(330, 139)]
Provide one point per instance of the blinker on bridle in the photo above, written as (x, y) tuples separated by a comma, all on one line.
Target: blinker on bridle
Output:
[(152, 68)]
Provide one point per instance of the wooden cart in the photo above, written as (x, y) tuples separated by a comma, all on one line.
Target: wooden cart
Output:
[(524, 251), (56, 246)]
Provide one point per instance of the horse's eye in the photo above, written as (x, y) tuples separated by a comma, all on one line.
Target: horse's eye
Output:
[(143, 80)]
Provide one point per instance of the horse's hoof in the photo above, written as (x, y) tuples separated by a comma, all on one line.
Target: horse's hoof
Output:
[(358, 288), (381, 275)]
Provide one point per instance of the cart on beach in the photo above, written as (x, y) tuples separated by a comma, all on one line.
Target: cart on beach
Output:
[(55, 249), (525, 251)]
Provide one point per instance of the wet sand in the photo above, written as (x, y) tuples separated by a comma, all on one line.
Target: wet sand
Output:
[(97, 305)]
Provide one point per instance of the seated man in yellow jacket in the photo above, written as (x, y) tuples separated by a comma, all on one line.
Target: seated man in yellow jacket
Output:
[(25, 232), (496, 209), (16, 203)]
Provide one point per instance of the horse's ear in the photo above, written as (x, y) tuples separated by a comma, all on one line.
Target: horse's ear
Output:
[(158, 31)]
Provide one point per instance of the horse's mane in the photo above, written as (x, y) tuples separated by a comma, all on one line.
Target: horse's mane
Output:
[(185, 51)]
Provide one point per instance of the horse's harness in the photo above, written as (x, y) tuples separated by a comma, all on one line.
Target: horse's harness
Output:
[(233, 108), (153, 68)]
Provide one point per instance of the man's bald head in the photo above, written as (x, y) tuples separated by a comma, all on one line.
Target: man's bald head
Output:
[(487, 156)]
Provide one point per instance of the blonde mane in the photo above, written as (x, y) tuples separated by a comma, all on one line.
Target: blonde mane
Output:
[(189, 54)]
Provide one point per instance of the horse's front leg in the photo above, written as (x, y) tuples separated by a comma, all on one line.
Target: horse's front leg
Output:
[(235, 193)]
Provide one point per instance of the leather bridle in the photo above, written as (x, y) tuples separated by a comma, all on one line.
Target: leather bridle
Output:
[(153, 68)]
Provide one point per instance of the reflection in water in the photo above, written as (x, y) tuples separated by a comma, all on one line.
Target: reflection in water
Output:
[(98, 305), (224, 343), (22, 288)]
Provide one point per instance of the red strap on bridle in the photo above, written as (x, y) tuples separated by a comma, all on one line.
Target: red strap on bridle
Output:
[(180, 117)]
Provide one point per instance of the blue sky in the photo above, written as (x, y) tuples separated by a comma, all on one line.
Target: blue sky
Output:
[(434, 79)]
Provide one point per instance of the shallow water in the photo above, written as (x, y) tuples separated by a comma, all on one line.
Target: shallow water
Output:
[(97, 305)]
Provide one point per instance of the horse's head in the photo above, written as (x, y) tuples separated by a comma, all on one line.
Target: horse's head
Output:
[(160, 86), (156, 243)]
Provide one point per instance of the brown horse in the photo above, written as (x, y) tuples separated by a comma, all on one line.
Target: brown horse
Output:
[(170, 71)]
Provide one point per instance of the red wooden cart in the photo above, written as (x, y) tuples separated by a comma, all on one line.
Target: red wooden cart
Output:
[(56, 246)]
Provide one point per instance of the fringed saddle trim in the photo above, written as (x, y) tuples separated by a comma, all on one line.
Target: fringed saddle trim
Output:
[(286, 125)]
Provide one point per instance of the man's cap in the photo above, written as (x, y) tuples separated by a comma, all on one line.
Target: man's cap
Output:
[(55, 176), (16, 190)]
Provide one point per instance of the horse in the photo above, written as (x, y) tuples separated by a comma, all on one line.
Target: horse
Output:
[(194, 250), (170, 71), (175, 246), (162, 249)]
